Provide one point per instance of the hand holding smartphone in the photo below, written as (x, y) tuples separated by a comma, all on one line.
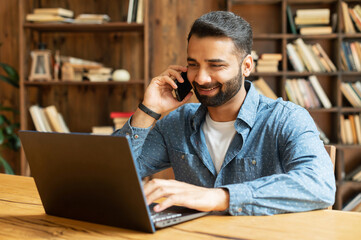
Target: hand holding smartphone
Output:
[(183, 88)]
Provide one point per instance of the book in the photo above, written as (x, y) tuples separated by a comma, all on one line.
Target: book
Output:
[(120, 118), (289, 92), (353, 128), (140, 11), (102, 130), (342, 129), (265, 68), (358, 128), (350, 94), (348, 131), (308, 55), (312, 95), (56, 121), (321, 59), (325, 56), (54, 11), (294, 58), (312, 21), (271, 56), (264, 89), (355, 175), (320, 92), (37, 118), (312, 13), (355, 56), (315, 30), (291, 22), (47, 18), (355, 18), (92, 19), (349, 28), (130, 11)]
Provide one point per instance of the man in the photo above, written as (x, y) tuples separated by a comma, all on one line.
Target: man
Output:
[(237, 150)]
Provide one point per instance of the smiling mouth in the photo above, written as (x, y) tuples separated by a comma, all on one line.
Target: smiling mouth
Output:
[(206, 91)]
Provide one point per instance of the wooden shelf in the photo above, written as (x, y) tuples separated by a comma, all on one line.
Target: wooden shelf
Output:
[(74, 28), (83, 83)]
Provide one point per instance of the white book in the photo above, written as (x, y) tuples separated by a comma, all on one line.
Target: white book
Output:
[(35, 115), (130, 11), (348, 131), (320, 92), (312, 13), (294, 58), (308, 55)]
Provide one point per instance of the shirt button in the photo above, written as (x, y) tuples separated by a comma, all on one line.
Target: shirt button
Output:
[(239, 209), (254, 162), (183, 156), (136, 136), (127, 134)]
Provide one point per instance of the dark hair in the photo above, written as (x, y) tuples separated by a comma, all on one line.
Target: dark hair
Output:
[(224, 24)]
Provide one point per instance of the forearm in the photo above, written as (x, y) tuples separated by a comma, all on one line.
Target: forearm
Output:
[(290, 192), (141, 120)]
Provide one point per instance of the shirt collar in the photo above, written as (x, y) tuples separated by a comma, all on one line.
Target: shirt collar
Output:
[(246, 114)]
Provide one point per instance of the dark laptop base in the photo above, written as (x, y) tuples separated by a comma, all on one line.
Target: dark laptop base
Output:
[(91, 178)]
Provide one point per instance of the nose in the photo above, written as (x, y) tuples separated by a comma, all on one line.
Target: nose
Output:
[(202, 77)]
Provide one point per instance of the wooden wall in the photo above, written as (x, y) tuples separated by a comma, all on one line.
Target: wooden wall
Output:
[(9, 54), (169, 23)]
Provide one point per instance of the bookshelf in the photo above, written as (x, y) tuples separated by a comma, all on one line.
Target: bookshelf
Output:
[(117, 44), (269, 21)]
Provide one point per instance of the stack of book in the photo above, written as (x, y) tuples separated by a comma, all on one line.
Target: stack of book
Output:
[(307, 93), (48, 119), (352, 92), (350, 128), (268, 62), (46, 15), (120, 118), (351, 56), (311, 58), (99, 74), (263, 88), (92, 19), (313, 21), (351, 18)]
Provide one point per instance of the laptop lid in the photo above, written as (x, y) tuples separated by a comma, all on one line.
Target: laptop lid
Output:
[(87, 177)]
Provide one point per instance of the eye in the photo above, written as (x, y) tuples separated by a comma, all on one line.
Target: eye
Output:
[(192, 65), (217, 65)]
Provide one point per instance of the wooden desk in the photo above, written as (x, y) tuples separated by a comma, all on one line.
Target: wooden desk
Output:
[(22, 217)]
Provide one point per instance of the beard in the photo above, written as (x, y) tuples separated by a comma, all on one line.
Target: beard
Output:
[(226, 91)]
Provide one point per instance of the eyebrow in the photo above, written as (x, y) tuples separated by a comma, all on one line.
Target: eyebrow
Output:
[(207, 60)]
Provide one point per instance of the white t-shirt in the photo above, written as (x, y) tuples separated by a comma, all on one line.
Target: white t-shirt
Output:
[(219, 136)]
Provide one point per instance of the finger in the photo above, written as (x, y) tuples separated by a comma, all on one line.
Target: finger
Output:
[(168, 202), (165, 80), (178, 68)]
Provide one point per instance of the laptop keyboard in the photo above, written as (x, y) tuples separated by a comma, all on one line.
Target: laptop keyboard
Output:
[(161, 216)]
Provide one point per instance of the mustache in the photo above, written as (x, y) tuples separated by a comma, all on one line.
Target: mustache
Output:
[(206, 86)]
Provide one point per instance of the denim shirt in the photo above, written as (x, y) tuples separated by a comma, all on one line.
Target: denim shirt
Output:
[(276, 162)]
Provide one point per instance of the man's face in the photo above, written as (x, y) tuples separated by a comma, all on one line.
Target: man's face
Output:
[(214, 69)]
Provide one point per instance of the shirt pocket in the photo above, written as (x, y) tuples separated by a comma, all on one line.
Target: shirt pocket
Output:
[(189, 168), (247, 168)]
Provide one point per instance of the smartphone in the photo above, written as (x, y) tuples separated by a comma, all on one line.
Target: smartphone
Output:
[(183, 88)]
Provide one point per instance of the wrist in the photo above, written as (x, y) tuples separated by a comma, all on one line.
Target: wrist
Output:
[(149, 111), (223, 199)]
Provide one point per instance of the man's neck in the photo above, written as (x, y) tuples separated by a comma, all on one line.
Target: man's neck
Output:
[(228, 111)]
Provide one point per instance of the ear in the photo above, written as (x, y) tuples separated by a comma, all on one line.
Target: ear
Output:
[(247, 65)]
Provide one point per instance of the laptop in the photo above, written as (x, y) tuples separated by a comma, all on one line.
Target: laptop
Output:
[(93, 178)]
